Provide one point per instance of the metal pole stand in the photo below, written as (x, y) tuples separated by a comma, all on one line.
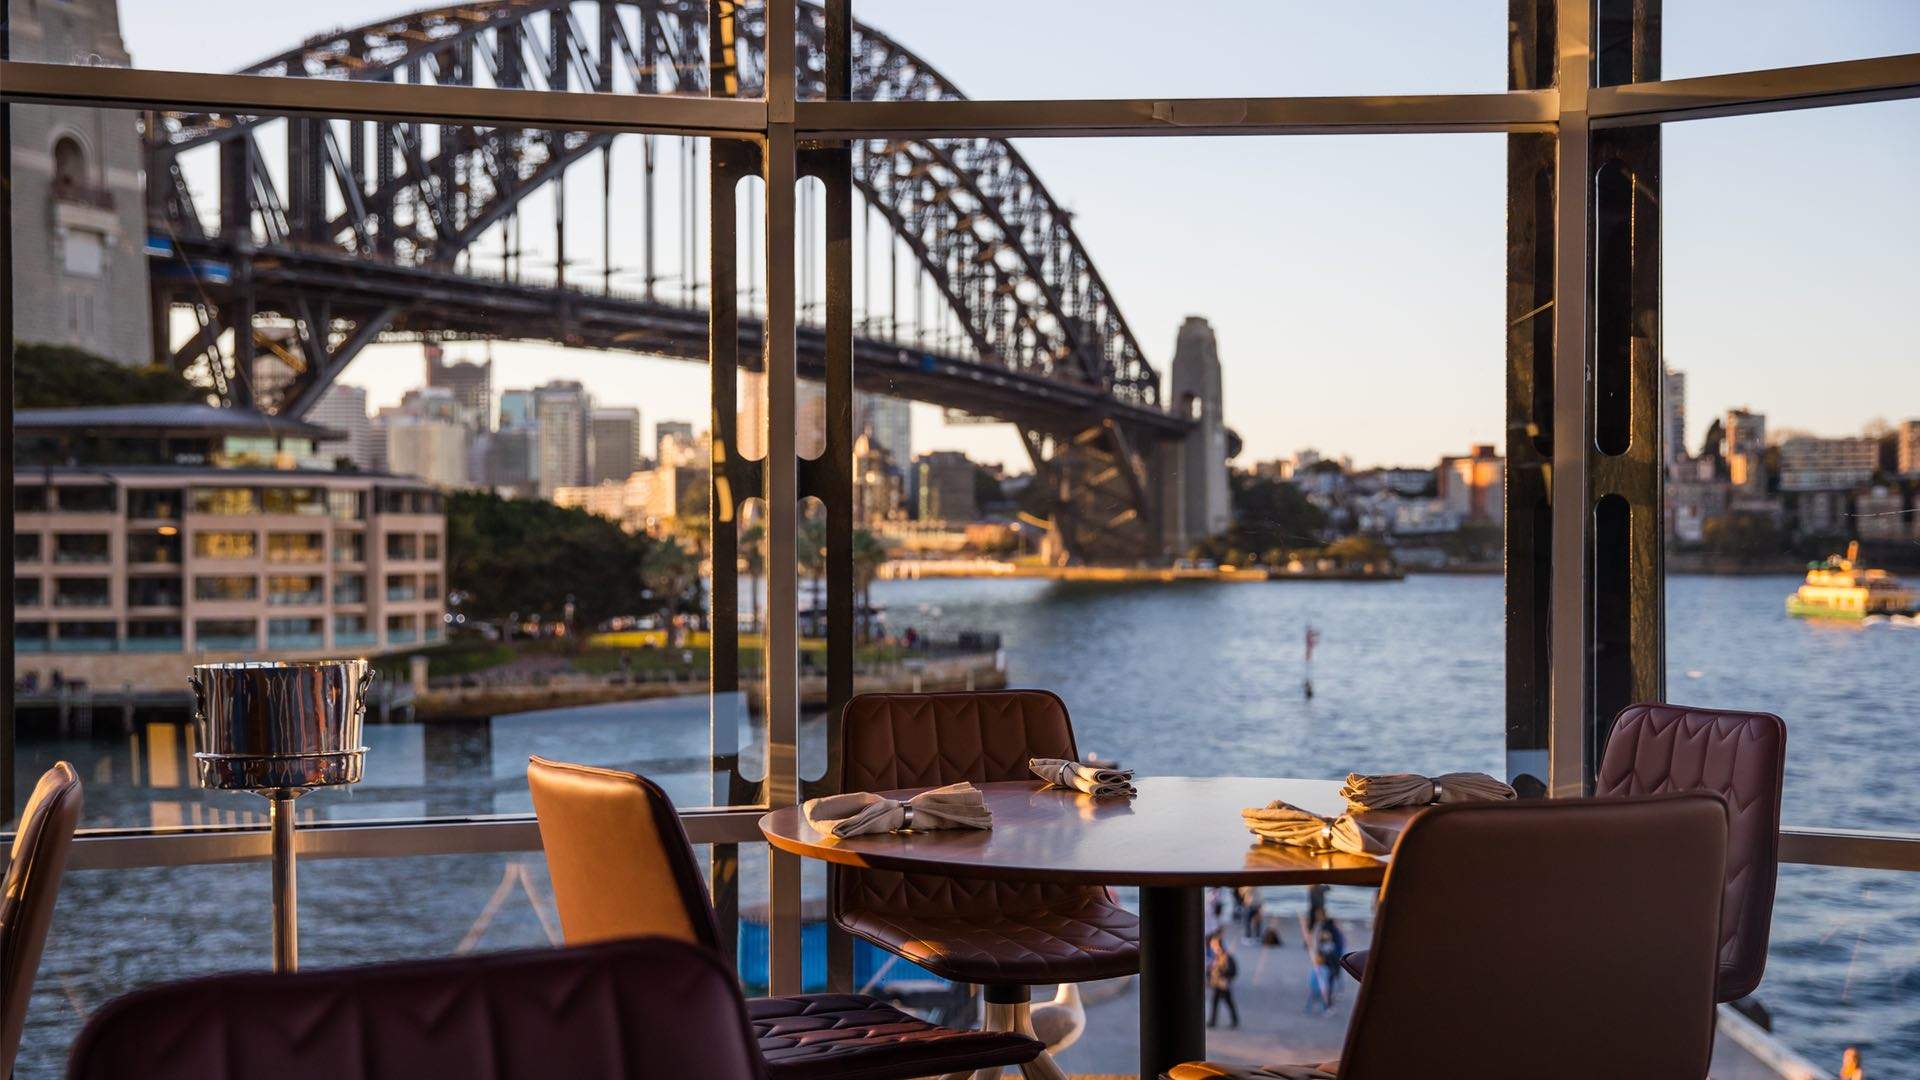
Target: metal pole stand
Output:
[(286, 890)]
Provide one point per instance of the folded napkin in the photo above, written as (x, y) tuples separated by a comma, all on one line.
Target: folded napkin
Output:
[(956, 806), (1088, 778), (1281, 822), (1411, 789)]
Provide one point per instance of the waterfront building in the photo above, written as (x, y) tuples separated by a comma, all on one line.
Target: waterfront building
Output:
[(1673, 415), (148, 537), (1473, 487), (878, 491), (680, 431), (1743, 446), (1880, 513), (470, 384), (681, 447), (1907, 448), (943, 486), (344, 409), (888, 419), (79, 205), (1814, 464), (616, 444), (1691, 502), (561, 412)]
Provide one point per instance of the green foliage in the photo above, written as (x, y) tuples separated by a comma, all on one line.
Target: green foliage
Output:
[(59, 376), (527, 556), (1743, 536), (1268, 516)]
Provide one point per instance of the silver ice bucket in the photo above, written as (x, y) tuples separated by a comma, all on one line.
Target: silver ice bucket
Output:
[(272, 725)]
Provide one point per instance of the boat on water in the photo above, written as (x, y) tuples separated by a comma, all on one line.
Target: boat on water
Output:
[(1841, 588)]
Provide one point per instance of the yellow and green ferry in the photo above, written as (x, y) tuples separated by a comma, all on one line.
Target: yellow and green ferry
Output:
[(1840, 588)]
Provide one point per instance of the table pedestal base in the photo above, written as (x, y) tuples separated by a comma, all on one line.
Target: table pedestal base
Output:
[(1172, 979)]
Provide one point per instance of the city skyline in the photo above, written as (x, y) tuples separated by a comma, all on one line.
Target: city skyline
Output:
[(1378, 263)]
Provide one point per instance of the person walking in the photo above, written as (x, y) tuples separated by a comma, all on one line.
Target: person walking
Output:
[(1222, 969), (1329, 944), (1252, 913)]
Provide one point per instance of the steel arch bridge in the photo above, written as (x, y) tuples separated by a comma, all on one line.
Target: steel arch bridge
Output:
[(330, 236)]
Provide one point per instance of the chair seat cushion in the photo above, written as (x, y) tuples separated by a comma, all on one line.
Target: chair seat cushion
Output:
[(856, 1037), (1078, 938), (1211, 1070), (1355, 963)]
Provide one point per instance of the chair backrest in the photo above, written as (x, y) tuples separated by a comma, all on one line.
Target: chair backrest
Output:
[(1574, 939), (1741, 756), (623, 1010), (620, 862), (924, 740), (38, 859)]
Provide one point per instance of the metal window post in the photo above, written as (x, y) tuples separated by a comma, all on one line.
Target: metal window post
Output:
[(780, 166)]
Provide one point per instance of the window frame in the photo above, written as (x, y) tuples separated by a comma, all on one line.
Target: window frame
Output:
[(795, 137)]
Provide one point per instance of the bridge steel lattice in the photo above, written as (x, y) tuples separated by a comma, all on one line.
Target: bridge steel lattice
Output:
[(357, 239)]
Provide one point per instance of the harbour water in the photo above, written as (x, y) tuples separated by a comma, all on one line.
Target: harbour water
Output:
[(1177, 678)]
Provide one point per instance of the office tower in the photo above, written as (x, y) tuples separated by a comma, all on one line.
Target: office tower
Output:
[(470, 383), (516, 409), (562, 411), (943, 482), (1743, 445), (1673, 415), (616, 444), (680, 431), (344, 409), (889, 420)]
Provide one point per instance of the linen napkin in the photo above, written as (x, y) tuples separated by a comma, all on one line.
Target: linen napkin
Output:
[(856, 813), (1088, 778), (1387, 790), (1281, 822)]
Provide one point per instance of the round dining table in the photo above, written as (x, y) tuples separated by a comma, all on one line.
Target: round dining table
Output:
[(1175, 838)]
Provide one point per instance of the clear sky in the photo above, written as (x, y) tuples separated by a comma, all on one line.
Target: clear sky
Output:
[(1356, 283)]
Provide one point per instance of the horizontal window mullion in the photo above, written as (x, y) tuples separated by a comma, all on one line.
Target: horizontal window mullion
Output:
[(1813, 86), (133, 88), (1856, 848)]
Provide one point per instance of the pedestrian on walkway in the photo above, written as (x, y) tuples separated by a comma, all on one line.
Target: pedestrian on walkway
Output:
[(1222, 969), (1329, 944), (1252, 912)]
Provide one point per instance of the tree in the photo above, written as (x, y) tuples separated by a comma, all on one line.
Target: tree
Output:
[(528, 556), (57, 376), (1743, 536), (869, 554), (1268, 515)]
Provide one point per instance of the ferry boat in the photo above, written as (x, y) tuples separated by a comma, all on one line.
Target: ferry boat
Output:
[(1840, 588)]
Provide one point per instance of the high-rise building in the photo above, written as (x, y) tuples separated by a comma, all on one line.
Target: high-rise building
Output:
[(512, 461), (889, 420), (471, 385), (1907, 448), (1743, 446), (79, 205), (878, 490), (1473, 487), (943, 483), (1813, 464), (562, 412), (423, 437), (344, 408), (666, 430), (1673, 415), (516, 409), (616, 444)]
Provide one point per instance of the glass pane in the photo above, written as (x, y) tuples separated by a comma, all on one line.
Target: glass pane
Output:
[(1711, 37), (502, 499), (1787, 437), (583, 46), (117, 930)]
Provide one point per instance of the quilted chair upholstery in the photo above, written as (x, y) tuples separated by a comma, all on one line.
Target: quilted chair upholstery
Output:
[(38, 860), (622, 867), (967, 930), (1611, 908), (643, 1009), (1742, 757)]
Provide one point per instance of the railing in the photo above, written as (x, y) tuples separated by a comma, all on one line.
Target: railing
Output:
[(288, 599), (154, 644), (402, 637), (355, 639), (396, 592), (225, 642), (296, 641)]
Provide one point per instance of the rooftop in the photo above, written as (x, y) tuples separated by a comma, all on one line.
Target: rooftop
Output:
[(179, 418)]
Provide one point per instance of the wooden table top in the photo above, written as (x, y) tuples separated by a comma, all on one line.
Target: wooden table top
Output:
[(1178, 831)]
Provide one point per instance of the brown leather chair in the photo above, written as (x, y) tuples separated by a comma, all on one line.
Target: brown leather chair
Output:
[(1740, 756), (38, 860), (624, 1010), (1007, 936), (1610, 908), (622, 866)]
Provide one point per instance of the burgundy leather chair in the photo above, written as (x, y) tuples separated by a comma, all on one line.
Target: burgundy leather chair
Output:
[(627, 1010), (1740, 756), (622, 867), (38, 860), (1006, 936), (1611, 908)]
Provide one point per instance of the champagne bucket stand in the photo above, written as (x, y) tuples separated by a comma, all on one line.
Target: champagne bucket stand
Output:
[(280, 729)]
